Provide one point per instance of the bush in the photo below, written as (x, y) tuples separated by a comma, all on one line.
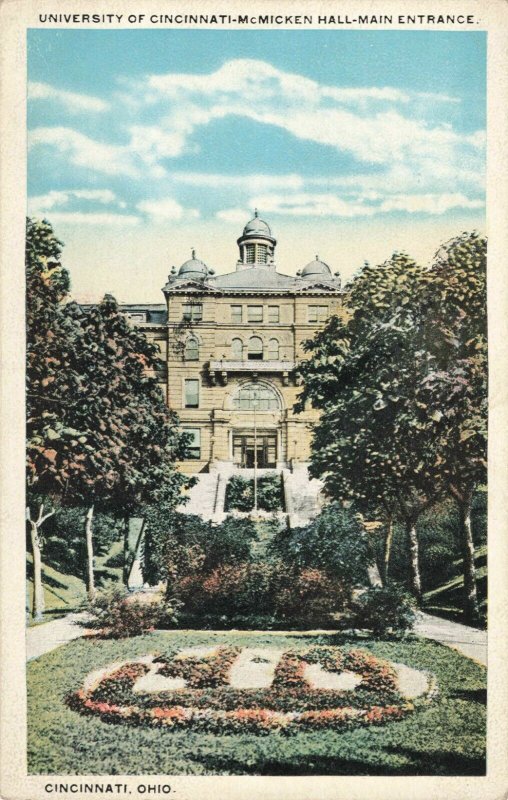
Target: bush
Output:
[(382, 609), (335, 543), (180, 545), (253, 590), (310, 596), (116, 614), (240, 493)]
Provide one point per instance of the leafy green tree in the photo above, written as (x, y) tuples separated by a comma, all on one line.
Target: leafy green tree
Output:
[(371, 444), (132, 440), (99, 432), (455, 389), (47, 284)]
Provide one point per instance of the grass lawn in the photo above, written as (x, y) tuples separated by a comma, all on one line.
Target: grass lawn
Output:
[(447, 600), (446, 737), (64, 593)]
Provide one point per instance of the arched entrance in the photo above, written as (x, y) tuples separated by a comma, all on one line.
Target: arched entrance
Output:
[(259, 440)]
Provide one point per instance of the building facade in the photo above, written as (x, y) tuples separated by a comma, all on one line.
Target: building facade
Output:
[(229, 345)]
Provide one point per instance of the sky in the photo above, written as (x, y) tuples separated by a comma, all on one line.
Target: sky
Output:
[(351, 144)]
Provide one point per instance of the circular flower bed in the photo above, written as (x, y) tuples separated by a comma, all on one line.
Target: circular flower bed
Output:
[(179, 690)]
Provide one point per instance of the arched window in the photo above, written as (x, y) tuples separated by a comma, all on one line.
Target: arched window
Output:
[(191, 352), (237, 349), (256, 396), (255, 352), (273, 350)]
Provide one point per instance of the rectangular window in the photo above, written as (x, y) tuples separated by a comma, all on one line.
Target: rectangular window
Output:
[(192, 312), (255, 313), (262, 254), (191, 393), (317, 313), (250, 253), (273, 314), (194, 446), (236, 314), (138, 317)]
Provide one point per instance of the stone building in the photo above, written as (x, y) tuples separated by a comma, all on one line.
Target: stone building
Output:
[(229, 346)]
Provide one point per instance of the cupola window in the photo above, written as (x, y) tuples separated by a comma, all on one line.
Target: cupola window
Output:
[(250, 253), (262, 253)]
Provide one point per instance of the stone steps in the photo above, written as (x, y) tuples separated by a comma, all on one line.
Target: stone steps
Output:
[(302, 495)]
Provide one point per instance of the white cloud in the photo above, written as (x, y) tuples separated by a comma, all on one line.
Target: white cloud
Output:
[(251, 182), (55, 198), (374, 125), (73, 102), (236, 215), (401, 158), (310, 205), (428, 203), (85, 152), (85, 218), (307, 204), (166, 209)]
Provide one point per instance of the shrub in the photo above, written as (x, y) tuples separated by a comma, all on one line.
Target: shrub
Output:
[(179, 545), (240, 493), (335, 543), (269, 589), (382, 609), (117, 614), (310, 596)]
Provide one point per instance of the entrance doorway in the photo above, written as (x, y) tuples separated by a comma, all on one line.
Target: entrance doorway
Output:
[(243, 449)]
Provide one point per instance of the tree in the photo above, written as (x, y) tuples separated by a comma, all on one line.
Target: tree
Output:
[(132, 439), (455, 389), (371, 445), (99, 432), (47, 284)]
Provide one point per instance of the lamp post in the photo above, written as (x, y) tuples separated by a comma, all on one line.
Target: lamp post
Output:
[(254, 408)]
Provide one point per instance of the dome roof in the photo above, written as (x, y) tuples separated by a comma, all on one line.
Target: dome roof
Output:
[(317, 268), (257, 226), (193, 268)]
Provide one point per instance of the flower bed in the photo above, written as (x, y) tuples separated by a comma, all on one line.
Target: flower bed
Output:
[(209, 703)]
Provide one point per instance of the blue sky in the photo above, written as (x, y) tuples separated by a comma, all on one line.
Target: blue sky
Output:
[(143, 144)]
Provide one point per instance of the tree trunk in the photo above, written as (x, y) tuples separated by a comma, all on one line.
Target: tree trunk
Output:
[(126, 552), (90, 578), (471, 609), (38, 589), (387, 548), (415, 560)]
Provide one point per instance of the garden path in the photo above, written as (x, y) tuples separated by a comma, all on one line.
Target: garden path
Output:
[(48, 636), (471, 642)]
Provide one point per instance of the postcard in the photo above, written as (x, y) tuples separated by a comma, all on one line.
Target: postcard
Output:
[(254, 450)]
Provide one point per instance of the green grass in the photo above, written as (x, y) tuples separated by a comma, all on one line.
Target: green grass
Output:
[(446, 737), (64, 593), (447, 600)]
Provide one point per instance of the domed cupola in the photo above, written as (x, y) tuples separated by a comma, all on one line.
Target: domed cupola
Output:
[(316, 269), (193, 269), (257, 244)]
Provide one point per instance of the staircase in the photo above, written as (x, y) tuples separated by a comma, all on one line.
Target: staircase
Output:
[(202, 496), (302, 495)]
